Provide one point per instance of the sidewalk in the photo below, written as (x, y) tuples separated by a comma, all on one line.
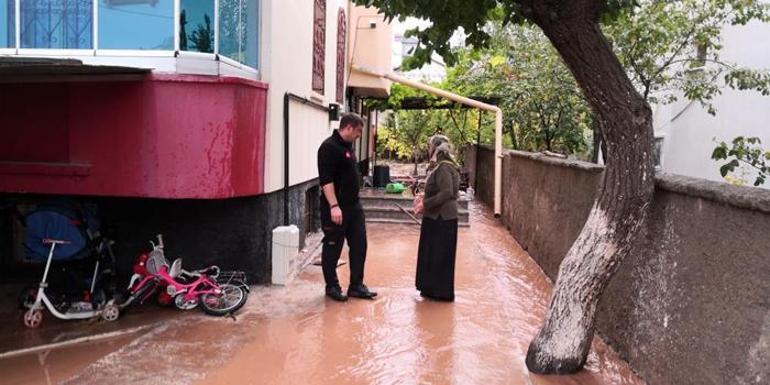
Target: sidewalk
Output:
[(294, 335)]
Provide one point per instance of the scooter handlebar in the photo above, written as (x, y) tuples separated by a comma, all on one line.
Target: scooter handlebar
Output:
[(48, 241)]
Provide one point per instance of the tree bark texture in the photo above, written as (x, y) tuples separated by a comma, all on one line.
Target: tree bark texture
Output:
[(562, 344)]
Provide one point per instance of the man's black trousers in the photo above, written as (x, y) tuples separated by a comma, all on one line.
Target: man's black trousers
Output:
[(353, 229)]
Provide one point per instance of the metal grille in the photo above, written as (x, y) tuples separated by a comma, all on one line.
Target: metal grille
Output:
[(319, 44), (63, 24), (341, 35)]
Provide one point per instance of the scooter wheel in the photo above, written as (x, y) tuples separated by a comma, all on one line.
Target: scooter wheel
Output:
[(110, 313), (33, 318)]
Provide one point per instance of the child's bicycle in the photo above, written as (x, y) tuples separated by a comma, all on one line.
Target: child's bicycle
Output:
[(217, 292)]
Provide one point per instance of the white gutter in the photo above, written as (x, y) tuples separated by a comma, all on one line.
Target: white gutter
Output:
[(468, 102)]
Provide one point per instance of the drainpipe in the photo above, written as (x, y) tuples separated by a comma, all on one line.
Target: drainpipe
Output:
[(374, 145), (287, 98), (478, 147), (468, 102)]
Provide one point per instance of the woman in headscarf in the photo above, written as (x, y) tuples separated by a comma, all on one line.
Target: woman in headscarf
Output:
[(438, 234)]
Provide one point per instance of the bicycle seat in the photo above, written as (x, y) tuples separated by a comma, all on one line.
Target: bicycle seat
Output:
[(154, 262), (176, 268)]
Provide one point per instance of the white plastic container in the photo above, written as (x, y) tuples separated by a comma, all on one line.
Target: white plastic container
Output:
[(285, 250)]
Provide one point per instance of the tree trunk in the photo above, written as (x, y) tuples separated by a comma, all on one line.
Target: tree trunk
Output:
[(598, 142), (562, 344), (514, 142)]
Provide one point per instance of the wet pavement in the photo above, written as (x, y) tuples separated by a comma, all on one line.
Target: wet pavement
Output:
[(294, 335)]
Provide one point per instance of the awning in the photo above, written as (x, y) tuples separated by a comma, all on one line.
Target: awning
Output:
[(368, 85), (15, 69)]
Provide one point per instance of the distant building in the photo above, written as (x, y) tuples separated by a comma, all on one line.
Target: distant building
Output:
[(432, 72), (686, 135)]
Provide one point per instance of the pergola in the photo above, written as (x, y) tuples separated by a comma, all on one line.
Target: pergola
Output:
[(462, 100)]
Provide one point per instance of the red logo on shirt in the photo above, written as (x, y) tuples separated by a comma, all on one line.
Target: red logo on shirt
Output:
[(348, 154)]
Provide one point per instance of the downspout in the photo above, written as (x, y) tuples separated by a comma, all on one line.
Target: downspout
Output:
[(468, 102), (287, 98), (374, 144), (476, 165)]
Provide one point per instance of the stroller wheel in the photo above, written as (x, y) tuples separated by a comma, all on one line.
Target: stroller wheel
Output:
[(110, 313), (33, 318)]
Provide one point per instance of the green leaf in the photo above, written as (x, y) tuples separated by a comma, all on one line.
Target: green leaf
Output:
[(728, 168), (719, 153)]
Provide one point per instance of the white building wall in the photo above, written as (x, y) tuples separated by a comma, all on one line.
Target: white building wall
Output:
[(690, 134), (286, 65)]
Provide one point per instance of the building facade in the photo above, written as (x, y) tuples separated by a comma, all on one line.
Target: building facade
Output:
[(686, 134), (199, 119)]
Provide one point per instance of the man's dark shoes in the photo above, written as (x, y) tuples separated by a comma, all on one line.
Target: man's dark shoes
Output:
[(361, 291), (335, 293)]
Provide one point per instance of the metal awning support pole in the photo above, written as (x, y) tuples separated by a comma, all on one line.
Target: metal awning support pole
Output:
[(468, 102)]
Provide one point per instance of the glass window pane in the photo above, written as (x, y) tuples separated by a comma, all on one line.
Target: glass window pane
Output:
[(196, 25), (7, 26), (238, 22), (136, 24), (56, 24)]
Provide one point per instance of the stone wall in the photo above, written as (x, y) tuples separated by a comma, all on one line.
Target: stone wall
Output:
[(691, 303)]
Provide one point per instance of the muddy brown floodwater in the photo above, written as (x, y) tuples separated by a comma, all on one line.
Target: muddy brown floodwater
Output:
[(298, 337), (294, 335)]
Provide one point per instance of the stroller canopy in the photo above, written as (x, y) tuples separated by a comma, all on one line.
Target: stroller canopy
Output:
[(42, 224)]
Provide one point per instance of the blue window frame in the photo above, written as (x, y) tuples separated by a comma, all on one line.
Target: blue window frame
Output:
[(135, 25)]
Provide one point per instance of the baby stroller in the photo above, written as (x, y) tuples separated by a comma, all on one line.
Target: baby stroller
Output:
[(79, 275)]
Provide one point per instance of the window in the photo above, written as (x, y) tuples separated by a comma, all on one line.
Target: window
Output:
[(238, 31), (319, 44), (139, 24), (658, 153), (56, 24), (408, 46), (7, 20), (231, 31), (196, 25), (341, 27)]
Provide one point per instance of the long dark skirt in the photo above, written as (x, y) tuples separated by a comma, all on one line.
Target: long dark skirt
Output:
[(436, 259)]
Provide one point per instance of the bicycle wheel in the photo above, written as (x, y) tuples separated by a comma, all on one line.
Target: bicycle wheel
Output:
[(232, 298)]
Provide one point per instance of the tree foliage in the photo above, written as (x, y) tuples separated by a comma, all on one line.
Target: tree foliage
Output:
[(744, 152), (671, 49), (469, 16), (542, 105)]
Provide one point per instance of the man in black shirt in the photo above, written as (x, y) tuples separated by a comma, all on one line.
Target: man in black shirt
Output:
[(342, 216)]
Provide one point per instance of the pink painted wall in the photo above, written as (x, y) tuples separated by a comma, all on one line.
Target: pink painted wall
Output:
[(167, 136)]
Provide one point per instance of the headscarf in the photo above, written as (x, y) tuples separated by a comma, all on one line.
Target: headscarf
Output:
[(440, 150)]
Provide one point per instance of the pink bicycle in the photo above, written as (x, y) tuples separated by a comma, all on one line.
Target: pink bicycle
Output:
[(217, 292)]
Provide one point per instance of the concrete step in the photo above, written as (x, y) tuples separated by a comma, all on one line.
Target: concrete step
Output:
[(405, 222), (394, 213), (403, 201)]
